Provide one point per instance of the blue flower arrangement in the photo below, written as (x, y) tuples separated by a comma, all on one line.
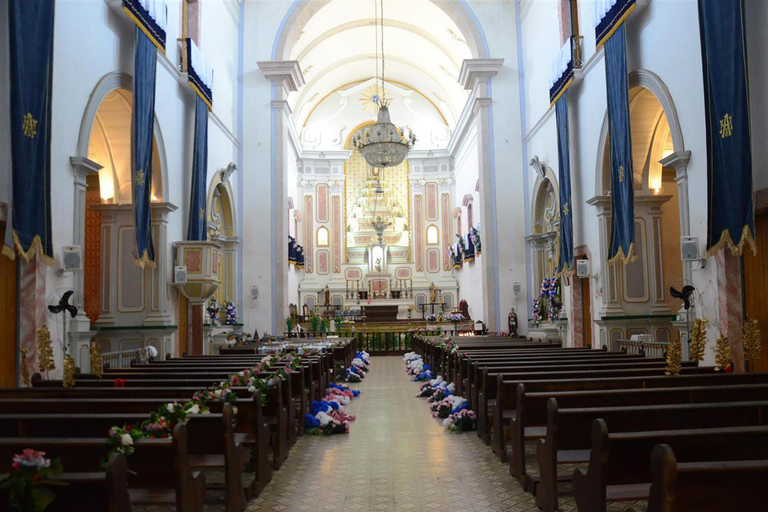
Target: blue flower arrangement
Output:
[(231, 313)]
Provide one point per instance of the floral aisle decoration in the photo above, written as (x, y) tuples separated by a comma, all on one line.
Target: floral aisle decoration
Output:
[(462, 421), (698, 339), (45, 360), (449, 405), (455, 317), (27, 484), (415, 366), (723, 355), (231, 313), (432, 317), (161, 423), (356, 372), (327, 417)]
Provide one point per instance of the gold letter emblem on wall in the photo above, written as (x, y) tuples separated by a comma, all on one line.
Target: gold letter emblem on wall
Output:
[(140, 178), (29, 126), (726, 126), (621, 174)]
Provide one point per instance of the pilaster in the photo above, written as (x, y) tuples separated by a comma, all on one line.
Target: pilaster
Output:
[(679, 162), (81, 168)]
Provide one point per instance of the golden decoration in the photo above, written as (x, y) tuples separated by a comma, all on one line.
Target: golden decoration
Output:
[(140, 178), (752, 340), (373, 97), (24, 369), (621, 174), (29, 126), (698, 339), (674, 357), (202, 213), (44, 350), (722, 354), (69, 372), (726, 126), (97, 362), (566, 209)]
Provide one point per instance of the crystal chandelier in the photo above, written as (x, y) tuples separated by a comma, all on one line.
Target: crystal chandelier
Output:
[(383, 144)]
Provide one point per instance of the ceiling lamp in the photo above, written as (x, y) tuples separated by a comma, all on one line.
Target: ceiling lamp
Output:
[(383, 144)]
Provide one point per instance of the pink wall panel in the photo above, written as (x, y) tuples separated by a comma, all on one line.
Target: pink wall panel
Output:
[(418, 231), (447, 235), (431, 189), (322, 203), (337, 234), (309, 234)]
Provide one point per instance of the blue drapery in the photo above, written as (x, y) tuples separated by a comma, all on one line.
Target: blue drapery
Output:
[(291, 250), (726, 95), (622, 193), (565, 261), (31, 65), (612, 15), (145, 65), (196, 229)]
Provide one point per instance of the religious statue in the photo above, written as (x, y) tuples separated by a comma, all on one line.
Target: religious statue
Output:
[(327, 296), (304, 312), (432, 294), (512, 321), (378, 265)]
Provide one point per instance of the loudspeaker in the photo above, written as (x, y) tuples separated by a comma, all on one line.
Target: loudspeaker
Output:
[(180, 275), (254, 292), (516, 287), (72, 257), (689, 248), (582, 268)]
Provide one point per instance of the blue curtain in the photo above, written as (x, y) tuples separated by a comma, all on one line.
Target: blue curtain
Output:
[(291, 250), (31, 64), (565, 260), (197, 204), (622, 193), (145, 64), (726, 95), (470, 254)]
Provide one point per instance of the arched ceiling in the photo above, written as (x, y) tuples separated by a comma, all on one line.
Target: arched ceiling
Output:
[(424, 50)]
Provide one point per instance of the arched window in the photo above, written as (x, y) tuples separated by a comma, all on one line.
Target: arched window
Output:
[(470, 221), (433, 236), (322, 236)]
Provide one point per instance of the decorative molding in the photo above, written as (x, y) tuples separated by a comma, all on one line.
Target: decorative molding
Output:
[(286, 74), (476, 72)]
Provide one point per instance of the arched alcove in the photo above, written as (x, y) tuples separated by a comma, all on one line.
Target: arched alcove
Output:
[(545, 222), (222, 228), (639, 288)]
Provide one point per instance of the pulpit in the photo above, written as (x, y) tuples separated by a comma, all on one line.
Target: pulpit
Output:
[(202, 262)]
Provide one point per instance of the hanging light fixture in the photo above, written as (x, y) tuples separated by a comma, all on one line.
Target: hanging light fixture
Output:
[(383, 144)]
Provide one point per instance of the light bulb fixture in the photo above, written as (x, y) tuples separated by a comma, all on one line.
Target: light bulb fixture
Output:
[(383, 144)]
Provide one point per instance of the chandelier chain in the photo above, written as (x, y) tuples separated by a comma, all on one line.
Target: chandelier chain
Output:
[(375, 42), (381, 18)]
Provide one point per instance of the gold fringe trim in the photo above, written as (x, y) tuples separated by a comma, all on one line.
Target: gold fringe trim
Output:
[(566, 272), (35, 249), (624, 258), (144, 261), (200, 93), (143, 28), (615, 27), (562, 91), (736, 249)]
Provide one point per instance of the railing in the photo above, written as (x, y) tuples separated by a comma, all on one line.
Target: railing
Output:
[(381, 342), (124, 358), (649, 349)]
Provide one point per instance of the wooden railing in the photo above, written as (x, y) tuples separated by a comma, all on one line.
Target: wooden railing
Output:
[(383, 342), (124, 358)]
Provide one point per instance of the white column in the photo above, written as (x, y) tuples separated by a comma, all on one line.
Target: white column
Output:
[(679, 162), (286, 77), (475, 76)]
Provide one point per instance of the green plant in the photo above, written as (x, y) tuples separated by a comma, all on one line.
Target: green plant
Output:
[(26, 484)]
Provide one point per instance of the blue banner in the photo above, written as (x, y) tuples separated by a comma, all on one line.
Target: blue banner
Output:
[(199, 73), (299, 256), (621, 246), (469, 254), (197, 225), (145, 65), (291, 250), (609, 16), (565, 259), (31, 65), (726, 97), (561, 72)]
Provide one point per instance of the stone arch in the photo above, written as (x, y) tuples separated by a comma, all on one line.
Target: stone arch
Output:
[(539, 193), (221, 226)]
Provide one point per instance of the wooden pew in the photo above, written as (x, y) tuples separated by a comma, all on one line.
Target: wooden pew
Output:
[(85, 489), (568, 437), (529, 419), (712, 486), (618, 462), (487, 385)]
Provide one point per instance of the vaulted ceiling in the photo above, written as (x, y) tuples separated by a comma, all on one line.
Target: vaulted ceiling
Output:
[(423, 46)]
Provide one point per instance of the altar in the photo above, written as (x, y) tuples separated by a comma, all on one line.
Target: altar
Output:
[(386, 310)]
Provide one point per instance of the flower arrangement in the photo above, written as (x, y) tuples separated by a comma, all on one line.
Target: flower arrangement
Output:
[(432, 317), (26, 483), (451, 404), (455, 317), (462, 421), (327, 417), (549, 299), (231, 315)]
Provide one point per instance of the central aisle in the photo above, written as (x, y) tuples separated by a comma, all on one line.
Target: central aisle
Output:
[(396, 457)]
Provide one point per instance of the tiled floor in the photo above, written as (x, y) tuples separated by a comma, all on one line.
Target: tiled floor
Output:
[(396, 458)]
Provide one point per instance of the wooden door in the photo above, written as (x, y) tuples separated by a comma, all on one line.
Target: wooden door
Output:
[(183, 323), (8, 319), (756, 286), (586, 307)]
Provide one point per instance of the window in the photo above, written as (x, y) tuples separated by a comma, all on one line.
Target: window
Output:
[(470, 221), (432, 235), (569, 20), (190, 20), (322, 236)]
